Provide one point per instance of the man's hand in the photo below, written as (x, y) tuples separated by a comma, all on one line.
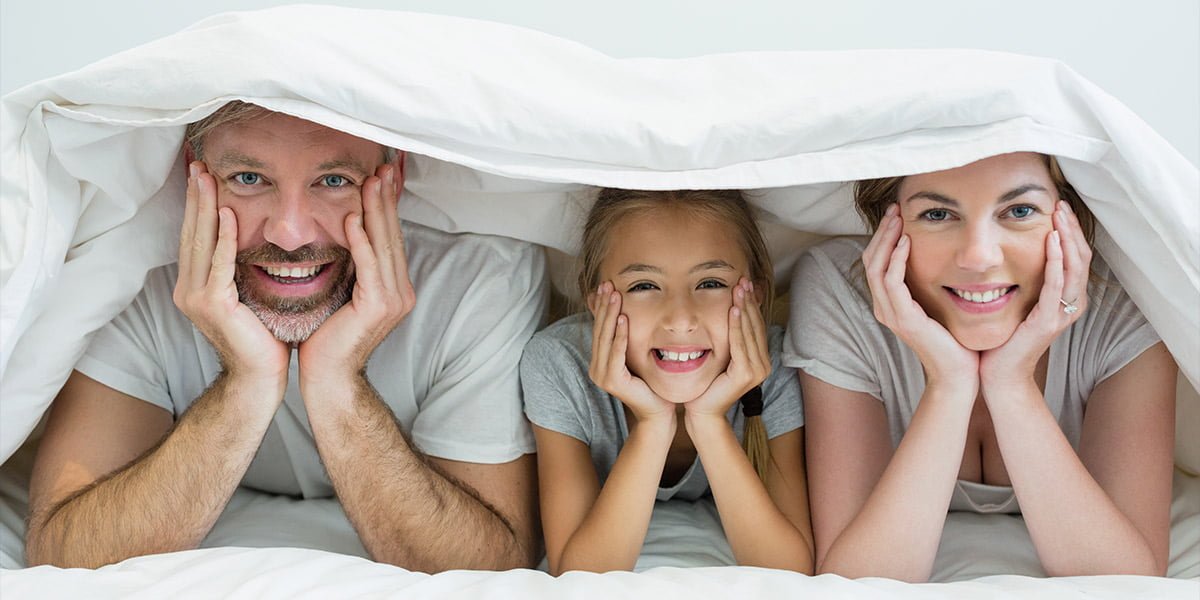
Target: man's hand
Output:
[(206, 293), (383, 293)]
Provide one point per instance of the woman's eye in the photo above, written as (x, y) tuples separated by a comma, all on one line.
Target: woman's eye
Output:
[(935, 214), (1021, 212), (642, 286), (711, 284), (247, 178), (334, 181)]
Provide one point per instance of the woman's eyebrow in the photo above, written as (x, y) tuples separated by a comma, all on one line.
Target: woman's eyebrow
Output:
[(1016, 192), (940, 199)]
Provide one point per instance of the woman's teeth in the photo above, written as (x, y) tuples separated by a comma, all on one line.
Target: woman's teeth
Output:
[(293, 272), (981, 297), (677, 356)]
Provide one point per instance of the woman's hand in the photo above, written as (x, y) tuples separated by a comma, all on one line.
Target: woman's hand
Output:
[(749, 359), (1068, 262), (885, 262), (610, 340)]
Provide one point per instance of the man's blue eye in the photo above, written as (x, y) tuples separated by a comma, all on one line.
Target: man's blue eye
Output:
[(936, 214), (1021, 212), (334, 181), (247, 178)]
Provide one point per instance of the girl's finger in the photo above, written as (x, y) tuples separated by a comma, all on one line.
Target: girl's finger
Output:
[(616, 359)]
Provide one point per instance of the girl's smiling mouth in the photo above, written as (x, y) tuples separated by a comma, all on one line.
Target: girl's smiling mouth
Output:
[(679, 360)]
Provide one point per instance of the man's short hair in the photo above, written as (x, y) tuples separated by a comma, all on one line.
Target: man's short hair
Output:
[(236, 112)]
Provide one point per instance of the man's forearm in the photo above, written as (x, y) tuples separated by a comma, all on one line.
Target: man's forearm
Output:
[(405, 511), (169, 498)]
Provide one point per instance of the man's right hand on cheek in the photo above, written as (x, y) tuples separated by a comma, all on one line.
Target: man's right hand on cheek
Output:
[(206, 293)]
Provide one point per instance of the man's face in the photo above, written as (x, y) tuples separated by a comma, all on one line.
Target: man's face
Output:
[(291, 184)]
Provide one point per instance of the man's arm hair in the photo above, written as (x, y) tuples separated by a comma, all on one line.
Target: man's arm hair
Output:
[(87, 510), (421, 514)]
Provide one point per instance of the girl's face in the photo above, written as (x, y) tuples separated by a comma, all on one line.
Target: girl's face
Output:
[(675, 273), (978, 237)]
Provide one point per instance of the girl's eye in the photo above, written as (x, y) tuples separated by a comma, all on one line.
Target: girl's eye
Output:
[(334, 181), (642, 286), (247, 178), (711, 284), (1023, 211), (936, 214)]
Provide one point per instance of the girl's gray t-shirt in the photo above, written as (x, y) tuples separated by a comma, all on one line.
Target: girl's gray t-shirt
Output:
[(560, 397), (833, 335)]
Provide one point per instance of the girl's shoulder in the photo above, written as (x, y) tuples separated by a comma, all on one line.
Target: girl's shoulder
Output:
[(567, 340)]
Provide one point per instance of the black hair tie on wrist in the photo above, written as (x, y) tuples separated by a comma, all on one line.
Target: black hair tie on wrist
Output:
[(752, 402)]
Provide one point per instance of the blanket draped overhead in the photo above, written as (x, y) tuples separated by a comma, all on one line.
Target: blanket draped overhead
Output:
[(507, 128)]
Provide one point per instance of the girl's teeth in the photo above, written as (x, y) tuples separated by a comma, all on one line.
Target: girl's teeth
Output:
[(678, 356)]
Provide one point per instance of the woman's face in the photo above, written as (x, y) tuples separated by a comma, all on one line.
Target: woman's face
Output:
[(675, 273), (978, 237)]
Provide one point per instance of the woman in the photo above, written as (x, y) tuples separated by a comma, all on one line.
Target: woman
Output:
[(973, 357)]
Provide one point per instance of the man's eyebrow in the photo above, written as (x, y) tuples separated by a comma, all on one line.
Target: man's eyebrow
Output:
[(344, 163), (712, 264), (640, 268), (235, 160)]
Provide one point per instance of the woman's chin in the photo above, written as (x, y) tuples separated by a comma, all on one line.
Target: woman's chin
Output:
[(979, 339)]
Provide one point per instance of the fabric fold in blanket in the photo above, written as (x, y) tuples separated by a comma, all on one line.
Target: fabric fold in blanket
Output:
[(507, 128)]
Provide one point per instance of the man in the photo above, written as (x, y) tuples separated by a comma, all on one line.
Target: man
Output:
[(279, 353)]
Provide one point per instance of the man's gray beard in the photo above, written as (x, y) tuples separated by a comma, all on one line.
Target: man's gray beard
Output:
[(292, 322)]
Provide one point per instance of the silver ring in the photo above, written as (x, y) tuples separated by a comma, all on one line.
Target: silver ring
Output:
[(1069, 306)]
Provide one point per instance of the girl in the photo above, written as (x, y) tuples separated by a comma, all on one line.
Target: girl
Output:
[(637, 400), (967, 363)]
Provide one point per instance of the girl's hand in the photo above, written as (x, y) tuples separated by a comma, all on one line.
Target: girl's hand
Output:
[(749, 359), (885, 261), (610, 340), (1068, 262)]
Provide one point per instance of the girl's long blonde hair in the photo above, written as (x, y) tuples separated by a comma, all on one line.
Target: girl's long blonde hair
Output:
[(728, 207)]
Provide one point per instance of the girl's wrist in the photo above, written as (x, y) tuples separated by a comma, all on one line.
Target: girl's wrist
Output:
[(701, 424)]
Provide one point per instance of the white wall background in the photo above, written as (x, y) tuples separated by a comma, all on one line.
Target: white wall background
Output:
[(1146, 53)]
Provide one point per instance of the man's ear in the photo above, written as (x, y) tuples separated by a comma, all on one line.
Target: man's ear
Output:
[(398, 163)]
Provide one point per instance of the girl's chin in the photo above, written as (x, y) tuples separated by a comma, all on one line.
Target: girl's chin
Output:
[(678, 394)]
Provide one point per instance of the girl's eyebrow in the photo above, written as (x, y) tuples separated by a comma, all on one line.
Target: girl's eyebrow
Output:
[(640, 267), (1005, 197), (712, 264)]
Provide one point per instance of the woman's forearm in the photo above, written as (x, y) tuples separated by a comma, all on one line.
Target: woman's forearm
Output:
[(897, 531)]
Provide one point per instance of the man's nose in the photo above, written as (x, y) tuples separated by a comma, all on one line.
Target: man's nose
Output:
[(981, 249), (290, 222)]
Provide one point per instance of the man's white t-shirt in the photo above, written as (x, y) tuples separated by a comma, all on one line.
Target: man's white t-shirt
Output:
[(449, 371)]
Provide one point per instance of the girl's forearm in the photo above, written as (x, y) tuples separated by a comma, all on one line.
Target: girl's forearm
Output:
[(610, 538)]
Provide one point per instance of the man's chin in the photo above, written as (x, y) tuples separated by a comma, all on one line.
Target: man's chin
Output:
[(293, 328)]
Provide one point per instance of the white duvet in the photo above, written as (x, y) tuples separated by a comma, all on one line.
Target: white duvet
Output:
[(507, 130)]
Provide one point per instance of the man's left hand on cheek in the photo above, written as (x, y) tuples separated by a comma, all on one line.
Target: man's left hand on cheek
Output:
[(383, 294)]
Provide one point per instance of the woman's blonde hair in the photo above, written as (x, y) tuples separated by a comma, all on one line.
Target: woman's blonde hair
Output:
[(727, 207), (873, 196)]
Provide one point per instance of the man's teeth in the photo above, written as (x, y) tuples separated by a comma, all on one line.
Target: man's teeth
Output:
[(981, 297), (294, 272), (678, 356)]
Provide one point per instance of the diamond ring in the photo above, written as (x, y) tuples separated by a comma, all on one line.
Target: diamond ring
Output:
[(1069, 306)]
